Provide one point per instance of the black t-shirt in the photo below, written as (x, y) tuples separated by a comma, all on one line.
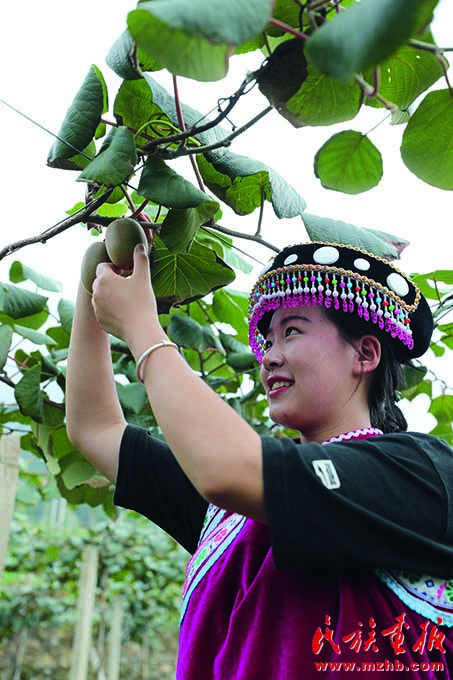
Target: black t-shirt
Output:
[(380, 502), (151, 482)]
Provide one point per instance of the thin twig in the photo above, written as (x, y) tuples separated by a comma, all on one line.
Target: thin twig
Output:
[(266, 44), (140, 209), (288, 29), (247, 237), (58, 228), (232, 245), (429, 47), (369, 91), (182, 126), (260, 217), (127, 197), (170, 154), (179, 113)]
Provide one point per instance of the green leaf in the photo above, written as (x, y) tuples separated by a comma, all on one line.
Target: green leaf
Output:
[(60, 336), (92, 496), (434, 283), (127, 62), (182, 277), (33, 321), (180, 226), (28, 393), (242, 361), (437, 350), (196, 39), (442, 409), (251, 45), (66, 314), (286, 11), (132, 396), (335, 231), (423, 387), (364, 35), (162, 185), (230, 343), (447, 340), (426, 148), (19, 272), (283, 73), (348, 162), (52, 439), (231, 308), (322, 100), (187, 332), (17, 303), (6, 336), (115, 210), (78, 161), (34, 336), (116, 162), (77, 473), (134, 107), (59, 443), (223, 246), (190, 334), (81, 120), (405, 76), (413, 376), (302, 94), (243, 184)]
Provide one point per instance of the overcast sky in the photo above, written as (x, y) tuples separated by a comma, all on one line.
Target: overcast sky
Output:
[(46, 49)]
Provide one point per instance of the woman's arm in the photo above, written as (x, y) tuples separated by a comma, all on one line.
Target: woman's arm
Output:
[(94, 417), (217, 449)]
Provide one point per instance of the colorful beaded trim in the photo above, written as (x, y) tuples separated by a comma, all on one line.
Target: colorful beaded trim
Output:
[(219, 531), (309, 285), (428, 596)]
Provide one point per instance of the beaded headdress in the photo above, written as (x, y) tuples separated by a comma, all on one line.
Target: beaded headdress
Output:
[(346, 279)]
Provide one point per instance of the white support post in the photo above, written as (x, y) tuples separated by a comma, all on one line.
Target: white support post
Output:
[(114, 641), (9, 472), (82, 636)]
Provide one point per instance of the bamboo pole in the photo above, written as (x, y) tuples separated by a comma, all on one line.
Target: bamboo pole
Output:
[(82, 635), (9, 472)]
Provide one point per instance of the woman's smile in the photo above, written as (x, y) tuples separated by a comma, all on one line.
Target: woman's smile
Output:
[(277, 384)]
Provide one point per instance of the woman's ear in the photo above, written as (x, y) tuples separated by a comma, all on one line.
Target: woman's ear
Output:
[(368, 354)]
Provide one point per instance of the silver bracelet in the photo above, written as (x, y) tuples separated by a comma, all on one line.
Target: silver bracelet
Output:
[(147, 352)]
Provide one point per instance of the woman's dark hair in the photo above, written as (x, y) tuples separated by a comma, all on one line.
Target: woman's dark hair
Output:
[(388, 376)]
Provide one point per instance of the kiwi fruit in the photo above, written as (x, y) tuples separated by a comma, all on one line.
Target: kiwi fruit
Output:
[(94, 255), (121, 237)]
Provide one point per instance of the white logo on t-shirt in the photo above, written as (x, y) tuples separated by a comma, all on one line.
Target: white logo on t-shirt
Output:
[(327, 473)]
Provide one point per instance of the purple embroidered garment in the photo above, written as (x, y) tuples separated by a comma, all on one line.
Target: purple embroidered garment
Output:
[(242, 619)]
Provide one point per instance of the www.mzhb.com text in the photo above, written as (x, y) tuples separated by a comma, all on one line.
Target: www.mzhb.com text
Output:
[(384, 666)]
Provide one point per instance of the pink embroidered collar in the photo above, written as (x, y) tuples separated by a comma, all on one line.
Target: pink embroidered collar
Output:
[(362, 433)]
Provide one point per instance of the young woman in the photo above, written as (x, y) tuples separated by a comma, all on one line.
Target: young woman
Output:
[(330, 553)]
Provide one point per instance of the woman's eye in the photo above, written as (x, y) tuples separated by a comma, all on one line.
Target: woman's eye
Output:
[(267, 345), (290, 330)]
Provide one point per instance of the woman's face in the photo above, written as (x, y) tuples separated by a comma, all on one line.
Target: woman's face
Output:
[(308, 372)]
